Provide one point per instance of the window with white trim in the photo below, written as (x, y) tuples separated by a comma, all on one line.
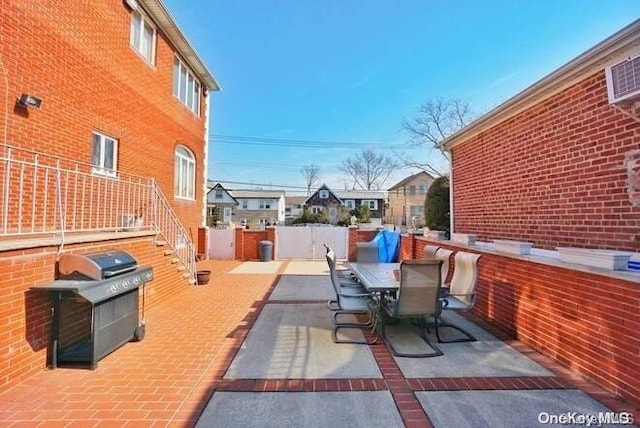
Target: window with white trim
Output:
[(244, 204), (265, 204), (316, 210), (143, 36), (185, 86), (371, 203), (324, 194), (218, 194), (416, 210), (104, 154), (184, 173), (350, 204)]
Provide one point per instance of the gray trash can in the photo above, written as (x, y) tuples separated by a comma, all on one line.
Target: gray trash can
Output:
[(266, 251)]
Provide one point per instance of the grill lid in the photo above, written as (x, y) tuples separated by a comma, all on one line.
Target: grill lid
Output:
[(95, 266)]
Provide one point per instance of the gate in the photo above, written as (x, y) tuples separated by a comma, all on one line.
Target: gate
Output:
[(222, 244), (306, 243)]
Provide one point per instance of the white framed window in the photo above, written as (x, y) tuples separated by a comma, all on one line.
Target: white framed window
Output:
[(184, 173), (424, 187), (104, 154), (244, 204), (416, 210), (265, 204), (218, 194), (324, 194), (371, 203), (143, 36), (350, 204), (316, 210), (185, 86)]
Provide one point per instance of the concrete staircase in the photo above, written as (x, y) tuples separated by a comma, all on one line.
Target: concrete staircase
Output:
[(172, 259)]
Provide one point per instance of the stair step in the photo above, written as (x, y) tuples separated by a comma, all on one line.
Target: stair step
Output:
[(175, 260), (186, 275), (181, 268), (192, 281), (161, 243), (168, 252)]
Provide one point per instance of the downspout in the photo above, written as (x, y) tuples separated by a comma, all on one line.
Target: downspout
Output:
[(205, 168), (451, 222)]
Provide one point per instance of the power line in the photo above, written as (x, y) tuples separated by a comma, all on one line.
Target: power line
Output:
[(282, 142), (244, 183)]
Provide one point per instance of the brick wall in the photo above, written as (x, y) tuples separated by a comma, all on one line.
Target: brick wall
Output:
[(89, 78), (586, 321), (554, 175), (248, 242), (356, 235), (25, 315)]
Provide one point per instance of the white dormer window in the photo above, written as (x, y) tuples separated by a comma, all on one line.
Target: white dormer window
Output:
[(218, 194), (324, 194), (143, 36)]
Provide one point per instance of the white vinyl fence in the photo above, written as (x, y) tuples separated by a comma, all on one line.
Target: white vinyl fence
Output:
[(306, 243)]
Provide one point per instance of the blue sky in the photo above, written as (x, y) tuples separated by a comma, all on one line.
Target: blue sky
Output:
[(348, 72)]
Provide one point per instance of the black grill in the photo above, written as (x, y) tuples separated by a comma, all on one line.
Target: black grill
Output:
[(95, 306)]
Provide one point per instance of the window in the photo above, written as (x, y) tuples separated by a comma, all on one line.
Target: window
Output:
[(186, 87), (297, 206), (265, 204), (372, 204), (185, 173), (324, 194), (412, 190), (104, 154), (245, 204), (218, 194), (423, 188), (350, 204), (416, 210), (316, 210), (143, 36)]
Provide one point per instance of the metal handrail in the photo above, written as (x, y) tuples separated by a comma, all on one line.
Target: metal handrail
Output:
[(169, 227)]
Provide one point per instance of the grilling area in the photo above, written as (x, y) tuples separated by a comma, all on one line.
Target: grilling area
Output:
[(95, 306), (258, 337)]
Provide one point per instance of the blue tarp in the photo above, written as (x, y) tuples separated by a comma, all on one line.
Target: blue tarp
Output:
[(388, 246)]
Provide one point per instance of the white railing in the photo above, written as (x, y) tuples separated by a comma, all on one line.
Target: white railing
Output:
[(44, 195), (171, 229)]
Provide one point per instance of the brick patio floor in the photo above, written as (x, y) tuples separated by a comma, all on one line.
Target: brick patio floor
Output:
[(168, 378)]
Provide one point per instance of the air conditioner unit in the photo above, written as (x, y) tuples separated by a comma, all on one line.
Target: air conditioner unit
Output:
[(623, 80)]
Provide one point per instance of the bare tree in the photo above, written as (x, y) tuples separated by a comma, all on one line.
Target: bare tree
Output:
[(436, 120), (368, 169), (311, 174)]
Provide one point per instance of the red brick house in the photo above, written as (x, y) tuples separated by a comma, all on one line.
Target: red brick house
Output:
[(550, 165), (103, 144)]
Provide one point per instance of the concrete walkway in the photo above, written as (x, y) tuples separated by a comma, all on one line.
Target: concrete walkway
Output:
[(253, 348)]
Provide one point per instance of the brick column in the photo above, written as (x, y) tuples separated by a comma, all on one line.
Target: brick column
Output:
[(203, 243), (239, 243), (353, 239), (408, 246)]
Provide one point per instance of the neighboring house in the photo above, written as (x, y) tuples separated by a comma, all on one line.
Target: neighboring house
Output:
[(104, 147), (557, 164), (259, 208), (373, 199), (294, 207), (325, 201), (337, 204), (220, 205), (407, 197)]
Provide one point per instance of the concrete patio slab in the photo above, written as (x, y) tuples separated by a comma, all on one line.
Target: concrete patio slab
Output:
[(476, 409), (487, 357), (311, 267), (257, 267), (303, 287), (293, 341), (302, 409)]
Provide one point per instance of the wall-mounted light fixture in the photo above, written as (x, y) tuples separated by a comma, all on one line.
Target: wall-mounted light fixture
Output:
[(27, 100)]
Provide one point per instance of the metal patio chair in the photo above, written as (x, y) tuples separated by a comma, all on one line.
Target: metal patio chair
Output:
[(461, 294), (417, 299), (430, 251), (351, 301), (340, 285), (445, 256)]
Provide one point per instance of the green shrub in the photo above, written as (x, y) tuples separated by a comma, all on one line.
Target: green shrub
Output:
[(436, 207)]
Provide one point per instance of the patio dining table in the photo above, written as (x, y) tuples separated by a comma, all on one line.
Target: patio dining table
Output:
[(377, 277)]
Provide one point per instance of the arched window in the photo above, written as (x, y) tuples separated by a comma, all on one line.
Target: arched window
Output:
[(185, 173)]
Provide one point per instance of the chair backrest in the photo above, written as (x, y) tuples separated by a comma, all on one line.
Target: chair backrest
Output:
[(419, 290), (430, 251), (465, 276), (333, 274), (444, 255)]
